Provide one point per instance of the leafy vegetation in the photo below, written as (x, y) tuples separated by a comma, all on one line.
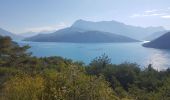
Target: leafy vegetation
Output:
[(24, 77)]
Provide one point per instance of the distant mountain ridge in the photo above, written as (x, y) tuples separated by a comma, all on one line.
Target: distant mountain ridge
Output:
[(162, 42), (10, 34), (30, 33), (155, 35), (113, 27), (77, 35), (117, 27)]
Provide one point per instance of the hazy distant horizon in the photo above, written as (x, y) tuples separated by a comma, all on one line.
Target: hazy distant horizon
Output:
[(20, 16), (50, 30)]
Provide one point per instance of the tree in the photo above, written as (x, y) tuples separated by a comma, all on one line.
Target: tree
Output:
[(73, 84), (23, 87), (11, 53), (98, 64)]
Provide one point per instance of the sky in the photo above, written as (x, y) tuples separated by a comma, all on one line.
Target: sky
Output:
[(20, 16)]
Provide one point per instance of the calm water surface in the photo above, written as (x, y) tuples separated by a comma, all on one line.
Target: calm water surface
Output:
[(118, 52)]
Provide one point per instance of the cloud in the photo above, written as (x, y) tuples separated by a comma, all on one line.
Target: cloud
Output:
[(150, 11), (46, 28), (161, 13), (154, 14), (166, 16), (146, 15)]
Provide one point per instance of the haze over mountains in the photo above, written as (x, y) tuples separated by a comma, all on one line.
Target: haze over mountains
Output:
[(117, 27), (4, 32), (30, 33), (162, 42), (86, 28), (80, 36), (155, 35)]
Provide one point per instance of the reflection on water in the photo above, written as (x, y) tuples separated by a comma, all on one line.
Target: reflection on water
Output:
[(97, 49), (159, 59), (118, 52)]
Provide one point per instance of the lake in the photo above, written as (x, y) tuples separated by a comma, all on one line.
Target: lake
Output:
[(118, 52)]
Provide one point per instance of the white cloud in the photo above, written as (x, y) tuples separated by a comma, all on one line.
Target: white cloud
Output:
[(146, 15), (161, 13), (151, 11), (46, 28), (154, 14), (166, 16)]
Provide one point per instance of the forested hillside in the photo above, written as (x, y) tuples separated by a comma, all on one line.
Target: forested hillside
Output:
[(161, 42), (24, 77)]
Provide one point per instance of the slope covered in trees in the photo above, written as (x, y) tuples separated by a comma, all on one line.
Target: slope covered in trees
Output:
[(162, 42), (24, 77)]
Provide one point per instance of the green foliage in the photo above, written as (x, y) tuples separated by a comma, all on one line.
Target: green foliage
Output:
[(23, 77), (10, 53), (98, 64), (73, 84), (129, 81), (23, 87)]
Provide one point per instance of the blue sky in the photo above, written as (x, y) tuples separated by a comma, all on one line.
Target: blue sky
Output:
[(37, 15)]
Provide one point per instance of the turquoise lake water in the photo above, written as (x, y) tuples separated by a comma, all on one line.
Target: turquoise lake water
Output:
[(118, 52)]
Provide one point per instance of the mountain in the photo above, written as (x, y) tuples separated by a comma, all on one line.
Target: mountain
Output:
[(155, 35), (162, 42), (10, 34), (117, 27), (28, 34), (31, 34), (77, 35)]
